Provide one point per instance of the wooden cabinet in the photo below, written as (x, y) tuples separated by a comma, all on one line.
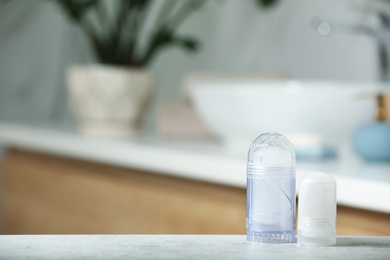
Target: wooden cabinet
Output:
[(45, 194)]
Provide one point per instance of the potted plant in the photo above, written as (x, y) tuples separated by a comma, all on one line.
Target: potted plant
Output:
[(109, 97)]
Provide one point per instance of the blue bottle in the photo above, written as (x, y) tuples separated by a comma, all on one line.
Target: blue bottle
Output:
[(271, 190), (372, 141)]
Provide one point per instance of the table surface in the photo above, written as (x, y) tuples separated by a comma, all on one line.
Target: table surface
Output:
[(359, 184), (181, 247)]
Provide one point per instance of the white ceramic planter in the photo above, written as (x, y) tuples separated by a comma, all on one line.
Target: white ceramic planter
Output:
[(109, 101)]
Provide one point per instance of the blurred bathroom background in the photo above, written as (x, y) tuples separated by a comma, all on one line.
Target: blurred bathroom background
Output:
[(37, 44), (287, 47)]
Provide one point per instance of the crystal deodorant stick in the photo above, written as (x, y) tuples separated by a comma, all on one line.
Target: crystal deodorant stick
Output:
[(270, 213)]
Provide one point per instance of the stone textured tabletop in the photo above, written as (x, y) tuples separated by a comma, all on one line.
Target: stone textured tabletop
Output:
[(181, 247)]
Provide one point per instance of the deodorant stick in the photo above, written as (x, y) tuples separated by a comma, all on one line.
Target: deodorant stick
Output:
[(317, 210), (271, 190)]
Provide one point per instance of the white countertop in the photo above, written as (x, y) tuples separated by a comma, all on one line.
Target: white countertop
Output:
[(359, 184), (181, 247)]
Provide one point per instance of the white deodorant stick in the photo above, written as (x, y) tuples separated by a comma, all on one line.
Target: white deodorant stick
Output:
[(317, 210)]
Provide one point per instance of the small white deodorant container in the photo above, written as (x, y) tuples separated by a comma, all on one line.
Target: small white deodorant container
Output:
[(317, 210)]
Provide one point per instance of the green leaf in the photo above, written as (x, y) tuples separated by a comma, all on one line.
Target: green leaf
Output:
[(384, 19), (266, 3), (76, 10), (88, 4), (140, 4), (187, 43)]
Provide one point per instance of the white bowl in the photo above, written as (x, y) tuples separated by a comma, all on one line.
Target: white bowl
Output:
[(238, 112)]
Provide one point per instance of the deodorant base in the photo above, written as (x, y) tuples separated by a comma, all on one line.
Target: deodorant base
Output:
[(285, 237)]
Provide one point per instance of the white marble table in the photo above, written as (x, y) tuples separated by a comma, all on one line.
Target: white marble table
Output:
[(181, 247)]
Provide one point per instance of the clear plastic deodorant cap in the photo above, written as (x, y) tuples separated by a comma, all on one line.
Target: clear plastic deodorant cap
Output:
[(271, 190), (317, 210)]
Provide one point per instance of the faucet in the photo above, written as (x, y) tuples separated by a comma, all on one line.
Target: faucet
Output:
[(380, 34)]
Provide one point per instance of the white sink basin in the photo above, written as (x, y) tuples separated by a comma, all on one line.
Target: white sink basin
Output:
[(237, 112)]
